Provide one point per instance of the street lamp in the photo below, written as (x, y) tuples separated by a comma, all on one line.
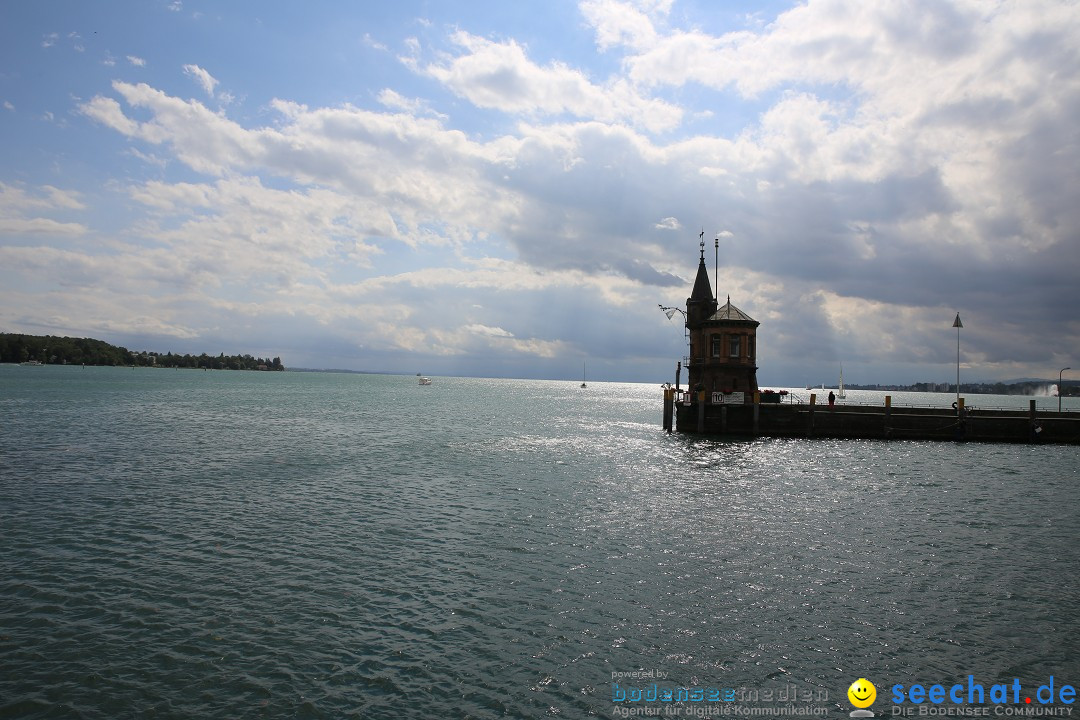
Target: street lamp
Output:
[(957, 324), (670, 312), (1059, 386)]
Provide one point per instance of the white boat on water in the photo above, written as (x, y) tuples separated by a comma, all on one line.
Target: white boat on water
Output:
[(425, 380), (841, 393)]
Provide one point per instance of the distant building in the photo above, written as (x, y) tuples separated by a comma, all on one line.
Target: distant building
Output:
[(723, 341)]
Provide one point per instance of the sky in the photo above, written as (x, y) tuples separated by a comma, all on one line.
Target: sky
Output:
[(501, 189)]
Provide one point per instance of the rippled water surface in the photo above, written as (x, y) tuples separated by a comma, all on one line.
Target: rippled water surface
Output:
[(231, 544)]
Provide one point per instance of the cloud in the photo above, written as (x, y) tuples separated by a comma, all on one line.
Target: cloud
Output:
[(668, 223), (619, 23), (416, 106), (202, 77), (488, 331), (371, 42), (39, 226), (139, 62), (49, 40), (500, 76), (16, 199)]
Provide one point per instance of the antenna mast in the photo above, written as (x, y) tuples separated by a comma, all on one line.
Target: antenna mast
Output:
[(716, 271)]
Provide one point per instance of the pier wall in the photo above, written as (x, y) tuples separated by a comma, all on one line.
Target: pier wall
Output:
[(877, 422)]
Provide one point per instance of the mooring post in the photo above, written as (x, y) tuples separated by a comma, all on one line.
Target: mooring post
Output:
[(678, 372), (888, 413), (669, 407), (701, 411), (961, 423), (1035, 429), (810, 426)]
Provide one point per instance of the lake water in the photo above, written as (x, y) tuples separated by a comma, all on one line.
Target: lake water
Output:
[(234, 544)]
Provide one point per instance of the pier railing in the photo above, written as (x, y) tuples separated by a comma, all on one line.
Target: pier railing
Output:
[(870, 420)]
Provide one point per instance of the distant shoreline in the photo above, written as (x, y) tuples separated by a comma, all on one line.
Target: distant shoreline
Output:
[(19, 348)]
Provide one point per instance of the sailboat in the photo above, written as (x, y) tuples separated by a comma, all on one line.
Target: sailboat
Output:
[(841, 394), (582, 373)]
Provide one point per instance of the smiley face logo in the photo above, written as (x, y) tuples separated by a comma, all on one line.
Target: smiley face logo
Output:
[(862, 693)]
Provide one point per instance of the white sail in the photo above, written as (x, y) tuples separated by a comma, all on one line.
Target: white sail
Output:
[(841, 393)]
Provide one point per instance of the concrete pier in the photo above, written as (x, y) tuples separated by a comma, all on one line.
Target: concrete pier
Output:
[(885, 421)]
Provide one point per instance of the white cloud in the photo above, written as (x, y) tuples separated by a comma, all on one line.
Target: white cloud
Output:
[(478, 329), (49, 40), (39, 226), (15, 199), (371, 42), (202, 77), (619, 23), (500, 76), (668, 223), (417, 106), (139, 62)]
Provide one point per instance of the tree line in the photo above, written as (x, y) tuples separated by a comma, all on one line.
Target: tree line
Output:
[(53, 350)]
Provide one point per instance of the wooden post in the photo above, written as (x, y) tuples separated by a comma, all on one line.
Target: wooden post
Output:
[(961, 422), (1035, 429), (810, 426), (669, 407)]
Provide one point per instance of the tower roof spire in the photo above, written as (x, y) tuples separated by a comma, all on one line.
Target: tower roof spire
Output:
[(702, 287)]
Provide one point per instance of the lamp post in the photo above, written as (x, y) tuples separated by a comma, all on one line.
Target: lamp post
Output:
[(957, 324), (670, 312), (1059, 386)]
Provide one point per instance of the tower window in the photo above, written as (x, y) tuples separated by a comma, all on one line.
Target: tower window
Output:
[(733, 346), (715, 346)]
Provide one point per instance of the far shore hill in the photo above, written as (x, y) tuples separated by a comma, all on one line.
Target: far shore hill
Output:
[(54, 350)]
